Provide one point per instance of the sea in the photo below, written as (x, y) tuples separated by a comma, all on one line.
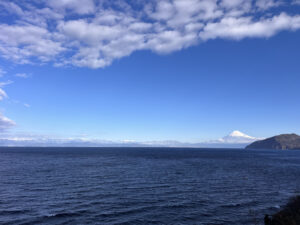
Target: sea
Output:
[(145, 185)]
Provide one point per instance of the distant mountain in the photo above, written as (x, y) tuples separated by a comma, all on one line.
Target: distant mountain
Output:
[(281, 142), (238, 137), (235, 139)]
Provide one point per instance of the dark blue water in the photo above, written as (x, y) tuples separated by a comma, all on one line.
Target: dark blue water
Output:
[(144, 186)]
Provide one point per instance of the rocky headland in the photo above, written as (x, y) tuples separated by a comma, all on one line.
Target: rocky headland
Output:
[(280, 142)]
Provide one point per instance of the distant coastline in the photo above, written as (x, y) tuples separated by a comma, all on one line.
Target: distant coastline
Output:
[(236, 140)]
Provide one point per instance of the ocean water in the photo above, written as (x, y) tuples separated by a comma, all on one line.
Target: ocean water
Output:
[(144, 185)]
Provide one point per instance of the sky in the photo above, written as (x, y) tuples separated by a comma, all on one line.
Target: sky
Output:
[(186, 71)]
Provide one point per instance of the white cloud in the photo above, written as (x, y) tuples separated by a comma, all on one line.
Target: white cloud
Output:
[(78, 6), (2, 72), (95, 33), (5, 123), (22, 75), (296, 2), (22, 42), (2, 92), (2, 84), (29, 14), (163, 10), (266, 4), (90, 33), (11, 7), (239, 28), (232, 3)]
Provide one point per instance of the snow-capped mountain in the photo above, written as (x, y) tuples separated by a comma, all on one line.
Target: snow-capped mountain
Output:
[(238, 137)]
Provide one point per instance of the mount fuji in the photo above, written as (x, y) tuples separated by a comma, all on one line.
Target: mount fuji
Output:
[(235, 139), (238, 137)]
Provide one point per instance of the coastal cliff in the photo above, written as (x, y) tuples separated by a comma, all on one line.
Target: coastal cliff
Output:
[(280, 142)]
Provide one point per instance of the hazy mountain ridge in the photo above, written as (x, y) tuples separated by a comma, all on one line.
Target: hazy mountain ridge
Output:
[(236, 139)]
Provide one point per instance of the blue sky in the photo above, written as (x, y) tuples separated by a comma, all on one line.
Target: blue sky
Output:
[(188, 71)]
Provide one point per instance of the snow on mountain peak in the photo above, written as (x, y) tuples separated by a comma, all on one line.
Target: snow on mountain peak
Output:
[(237, 133), (238, 137)]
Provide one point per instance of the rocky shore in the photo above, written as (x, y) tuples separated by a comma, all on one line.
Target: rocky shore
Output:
[(289, 215)]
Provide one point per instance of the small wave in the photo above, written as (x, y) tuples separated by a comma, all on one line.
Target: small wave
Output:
[(231, 205), (238, 204), (127, 211), (49, 218), (274, 207), (13, 212), (62, 215)]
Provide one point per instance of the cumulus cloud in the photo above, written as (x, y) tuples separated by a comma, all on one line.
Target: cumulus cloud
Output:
[(95, 33), (23, 42), (77, 6), (265, 4), (239, 28)]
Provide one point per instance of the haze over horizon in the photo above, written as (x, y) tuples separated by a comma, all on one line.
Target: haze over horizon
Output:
[(170, 72), (235, 139)]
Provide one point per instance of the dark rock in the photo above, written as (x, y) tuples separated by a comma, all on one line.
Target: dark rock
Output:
[(282, 142), (289, 215), (267, 220)]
